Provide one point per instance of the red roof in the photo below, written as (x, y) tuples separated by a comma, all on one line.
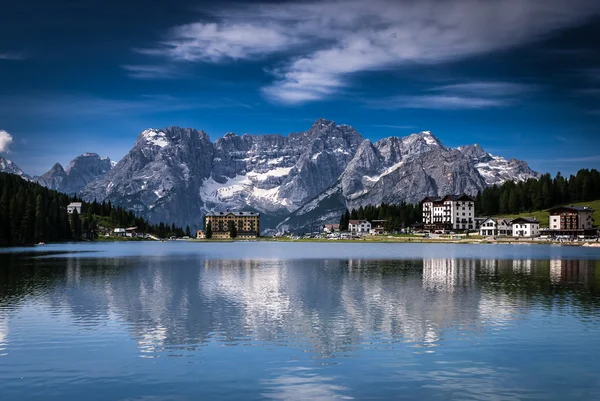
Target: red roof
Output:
[(356, 221)]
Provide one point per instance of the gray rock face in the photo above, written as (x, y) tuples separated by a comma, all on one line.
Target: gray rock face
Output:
[(496, 170), (177, 174), (160, 177), (81, 171), (7, 166), (407, 169), (53, 178)]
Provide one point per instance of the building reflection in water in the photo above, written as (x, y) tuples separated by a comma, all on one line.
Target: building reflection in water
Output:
[(522, 266), (325, 306), (572, 271), (448, 274)]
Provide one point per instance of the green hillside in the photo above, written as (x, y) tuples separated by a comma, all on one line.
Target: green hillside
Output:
[(543, 215)]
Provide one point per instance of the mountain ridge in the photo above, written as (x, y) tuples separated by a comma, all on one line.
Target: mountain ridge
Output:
[(179, 174)]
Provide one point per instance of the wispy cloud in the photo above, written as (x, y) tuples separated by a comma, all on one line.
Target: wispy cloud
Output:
[(464, 95), (153, 71), (393, 126), (6, 140), (592, 74), (582, 159), (438, 102), (84, 105), (325, 43), (12, 56), (595, 158)]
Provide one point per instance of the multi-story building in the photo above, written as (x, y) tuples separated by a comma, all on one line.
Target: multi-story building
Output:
[(571, 220), (452, 212), (496, 227), (247, 224), (525, 227), (378, 227), (359, 226)]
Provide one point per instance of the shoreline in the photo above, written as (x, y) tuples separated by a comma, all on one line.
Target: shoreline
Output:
[(410, 240), (368, 240)]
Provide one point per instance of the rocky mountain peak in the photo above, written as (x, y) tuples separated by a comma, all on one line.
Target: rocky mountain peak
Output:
[(8, 166), (79, 172), (57, 168), (177, 174)]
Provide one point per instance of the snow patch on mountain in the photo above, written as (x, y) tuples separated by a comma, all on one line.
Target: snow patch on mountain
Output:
[(155, 137)]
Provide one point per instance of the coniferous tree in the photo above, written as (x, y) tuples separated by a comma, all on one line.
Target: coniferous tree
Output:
[(76, 226), (208, 230), (232, 229)]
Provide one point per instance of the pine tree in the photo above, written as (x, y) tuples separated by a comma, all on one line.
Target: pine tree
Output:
[(208, 230), (232, 229), (76, 226)]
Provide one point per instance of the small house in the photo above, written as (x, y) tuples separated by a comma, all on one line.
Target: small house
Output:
[(378, 227), (119, 232), (331, 228), (131, 232), (73, 206), (200, 234), (525, 227), (496, 227), (359, 226)]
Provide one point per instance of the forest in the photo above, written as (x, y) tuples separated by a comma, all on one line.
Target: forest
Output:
[(396, 216), (532, 195), (31, 213)]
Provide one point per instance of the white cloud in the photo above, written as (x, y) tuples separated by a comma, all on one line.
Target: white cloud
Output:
[(464, 95), (5, 141), (326, 43), (213, 42)]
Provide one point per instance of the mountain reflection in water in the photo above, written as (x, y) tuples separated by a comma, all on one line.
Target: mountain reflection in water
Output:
[(312, 329)]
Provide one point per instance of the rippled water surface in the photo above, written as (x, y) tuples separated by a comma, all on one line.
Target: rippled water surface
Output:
[(249, 321)]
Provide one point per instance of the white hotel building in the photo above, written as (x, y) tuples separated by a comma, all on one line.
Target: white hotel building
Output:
[(452, 212)]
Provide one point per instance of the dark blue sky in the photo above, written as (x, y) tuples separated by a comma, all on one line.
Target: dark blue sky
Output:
[(519, 77)]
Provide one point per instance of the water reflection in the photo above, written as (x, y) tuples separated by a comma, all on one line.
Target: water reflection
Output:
[(327, 306), (304, 329)]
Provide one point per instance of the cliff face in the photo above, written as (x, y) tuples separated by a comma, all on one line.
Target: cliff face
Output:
[(177, 174)]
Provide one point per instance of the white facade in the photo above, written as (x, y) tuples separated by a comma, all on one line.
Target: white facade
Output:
[(526, 227), (359, 226), (74, 206), (449, 213), (496, 227)]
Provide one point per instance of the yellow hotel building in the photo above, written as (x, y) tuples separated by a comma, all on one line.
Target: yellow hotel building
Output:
[(247, 224)]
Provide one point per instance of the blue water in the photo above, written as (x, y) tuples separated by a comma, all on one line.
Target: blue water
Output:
[(299, 321)]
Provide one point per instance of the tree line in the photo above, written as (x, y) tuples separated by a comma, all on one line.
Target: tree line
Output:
[(531, 195), (396, 216), (31, 213)]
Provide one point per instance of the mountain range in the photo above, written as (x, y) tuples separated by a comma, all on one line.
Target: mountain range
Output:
[(295, 181)]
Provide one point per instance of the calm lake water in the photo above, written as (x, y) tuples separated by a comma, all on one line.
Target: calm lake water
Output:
[(253, 321)]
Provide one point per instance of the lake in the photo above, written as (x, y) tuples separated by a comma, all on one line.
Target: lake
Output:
[(182, 321)]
